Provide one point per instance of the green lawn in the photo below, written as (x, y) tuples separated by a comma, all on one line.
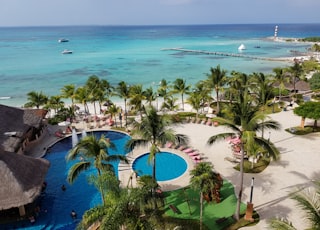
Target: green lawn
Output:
[(212, 211)]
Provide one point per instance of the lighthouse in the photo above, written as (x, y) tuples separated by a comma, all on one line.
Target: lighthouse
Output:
[(276, 33)]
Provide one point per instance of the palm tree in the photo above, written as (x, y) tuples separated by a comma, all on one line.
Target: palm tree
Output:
[(36, 99), (204, 180), (126, 209), (194, 100), (170, 104), (150, 95), (137, 96), (216, 80), (114, 110), (281, 79), (69, 91), (154, 130), (309, 201), (180, 87), (296, 71), (94, 153), (244, 124), (262, 87), (81, 96), (55, 103), (123, 91)]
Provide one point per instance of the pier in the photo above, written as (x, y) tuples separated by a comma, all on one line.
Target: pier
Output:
[(224, 54)]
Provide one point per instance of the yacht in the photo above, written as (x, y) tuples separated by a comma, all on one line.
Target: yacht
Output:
[(63, 40), (67, 52)]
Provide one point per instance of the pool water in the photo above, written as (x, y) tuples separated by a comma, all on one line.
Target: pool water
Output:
[(55, 204), (168, 166)]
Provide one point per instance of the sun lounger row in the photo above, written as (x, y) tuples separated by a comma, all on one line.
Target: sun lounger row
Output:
[(192, 153), (204, 121)]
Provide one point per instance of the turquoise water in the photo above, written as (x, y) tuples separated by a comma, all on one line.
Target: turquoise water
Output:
[(31, 57), (168, 166), (56, 204)]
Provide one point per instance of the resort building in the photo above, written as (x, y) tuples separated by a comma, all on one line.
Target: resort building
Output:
[(22, 176)]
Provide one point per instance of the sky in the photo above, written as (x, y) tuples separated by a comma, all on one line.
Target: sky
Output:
[(156, 12)]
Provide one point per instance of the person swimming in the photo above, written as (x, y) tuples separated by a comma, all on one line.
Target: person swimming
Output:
[(73, 214)]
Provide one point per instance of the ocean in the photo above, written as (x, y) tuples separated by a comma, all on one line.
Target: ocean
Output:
[(31, 58)]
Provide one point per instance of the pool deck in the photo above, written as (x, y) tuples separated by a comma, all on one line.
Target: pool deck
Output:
[(128, 177)]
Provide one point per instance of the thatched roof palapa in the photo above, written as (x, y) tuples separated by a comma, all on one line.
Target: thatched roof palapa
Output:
[(21, 179)]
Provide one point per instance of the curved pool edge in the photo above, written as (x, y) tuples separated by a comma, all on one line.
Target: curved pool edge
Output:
[(126, 174)]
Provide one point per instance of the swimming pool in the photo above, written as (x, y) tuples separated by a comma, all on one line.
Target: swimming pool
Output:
[(168, 166), (56, 204)]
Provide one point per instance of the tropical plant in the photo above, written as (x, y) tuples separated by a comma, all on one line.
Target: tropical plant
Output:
[(93, 153), (216, 80), (36, 99), (137, 96), (296, 71), (180, 87), (154, 131), (315, 81), (309, 109), (244, 124), (123, 91), (281, 79), (194, 100), (170, 104), (126, 208), (114, 110), (55, 103), (205, 180), (82, 97), (69, 91), (308, 199)]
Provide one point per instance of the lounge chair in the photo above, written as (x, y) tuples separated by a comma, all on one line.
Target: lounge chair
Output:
[(195, 153), (188, 150), (169, 144)]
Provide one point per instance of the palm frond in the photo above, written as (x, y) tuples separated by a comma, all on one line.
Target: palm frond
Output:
[(219, 137), (76, 169), (281, 224)]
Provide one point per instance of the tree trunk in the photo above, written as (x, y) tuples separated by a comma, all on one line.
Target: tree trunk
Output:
[(201, 209), (237, 214), (303, 119)]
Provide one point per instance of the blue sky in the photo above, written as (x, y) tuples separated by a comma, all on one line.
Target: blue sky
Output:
[(156, 12)]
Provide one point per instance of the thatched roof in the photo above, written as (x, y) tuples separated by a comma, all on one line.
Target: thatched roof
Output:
[(21, 179), (17, 122), (301, 86)]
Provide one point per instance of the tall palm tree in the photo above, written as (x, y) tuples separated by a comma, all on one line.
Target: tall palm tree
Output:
[(244, 124), (36, 99), (82, 97), (154, 130), (137, 96), (281, 79), (170, 104), (309, 201), (69, 91), (94, 153), (55, 103), (114, 110), (216, 80), (204, 180), (296, 71), (150, 95), (180, 87), (194, 100), (262, 87), (123, 91)]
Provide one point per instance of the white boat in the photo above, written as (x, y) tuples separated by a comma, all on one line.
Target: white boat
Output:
[(242, 47), (67, 52), (63, 40)]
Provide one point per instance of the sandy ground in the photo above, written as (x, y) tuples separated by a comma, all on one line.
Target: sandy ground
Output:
[(298, 165)]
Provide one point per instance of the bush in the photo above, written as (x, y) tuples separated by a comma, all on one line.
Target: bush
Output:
[(315, 81)]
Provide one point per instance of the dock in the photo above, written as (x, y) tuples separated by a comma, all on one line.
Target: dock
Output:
[(224, 54)]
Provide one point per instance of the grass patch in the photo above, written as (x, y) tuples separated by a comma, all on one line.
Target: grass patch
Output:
[(187, 202), (303, 131), (258, 167)]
